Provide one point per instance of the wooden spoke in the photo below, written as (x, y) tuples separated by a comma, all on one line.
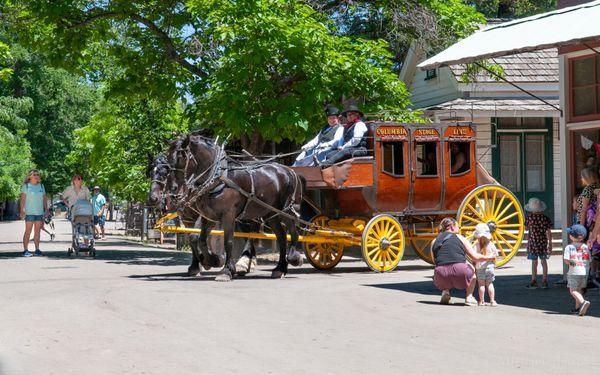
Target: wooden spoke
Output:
[(514, 236)]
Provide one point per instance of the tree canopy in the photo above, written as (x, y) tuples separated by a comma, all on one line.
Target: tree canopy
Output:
[(512, 8), (15, 155), (112, 149), (259, 69), (60, 103)]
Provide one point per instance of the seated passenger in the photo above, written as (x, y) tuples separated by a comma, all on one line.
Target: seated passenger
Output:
[(458, 159), (327, 139), (353, 142)]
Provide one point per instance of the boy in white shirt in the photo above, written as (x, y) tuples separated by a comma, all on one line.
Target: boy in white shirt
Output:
[(577, 256)]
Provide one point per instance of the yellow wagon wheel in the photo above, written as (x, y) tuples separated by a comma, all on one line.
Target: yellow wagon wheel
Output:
[(383, 243), (497, 207), (323, 256), (421, 246)]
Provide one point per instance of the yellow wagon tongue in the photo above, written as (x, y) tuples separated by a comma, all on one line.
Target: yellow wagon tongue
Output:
[(497, 207)]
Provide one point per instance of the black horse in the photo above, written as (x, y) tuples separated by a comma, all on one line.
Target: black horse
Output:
[(223, 191), (160, 173)]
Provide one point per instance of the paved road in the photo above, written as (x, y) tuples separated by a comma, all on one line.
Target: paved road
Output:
[(132, 311)]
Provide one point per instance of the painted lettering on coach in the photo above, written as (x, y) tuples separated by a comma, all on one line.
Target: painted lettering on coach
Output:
[(392, 133), (426, 134), (458, 133)]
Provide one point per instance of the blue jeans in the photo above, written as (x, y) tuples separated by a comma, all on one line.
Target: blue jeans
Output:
[(34, 217)]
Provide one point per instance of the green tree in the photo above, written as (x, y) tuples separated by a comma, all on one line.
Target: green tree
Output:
[(512, 8), (111, 150), (15, 155), (60, 102), (261, 69), (15, 162), (434, 23)]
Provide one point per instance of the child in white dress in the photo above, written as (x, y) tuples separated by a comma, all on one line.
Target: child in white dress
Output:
[(485, 270)]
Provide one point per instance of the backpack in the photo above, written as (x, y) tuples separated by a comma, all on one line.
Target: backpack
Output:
[(591, 215)]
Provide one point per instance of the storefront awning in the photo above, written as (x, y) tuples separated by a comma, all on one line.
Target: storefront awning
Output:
[(577, 24)]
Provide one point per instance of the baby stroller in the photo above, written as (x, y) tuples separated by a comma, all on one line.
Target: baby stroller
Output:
[(82, 223)]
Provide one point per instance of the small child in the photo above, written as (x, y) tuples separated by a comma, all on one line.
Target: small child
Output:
[(539, 243), (485, 269), (577, 256)]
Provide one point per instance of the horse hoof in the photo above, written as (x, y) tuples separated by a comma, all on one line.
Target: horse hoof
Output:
[(277, 274), (241, 267), (223, 278), (215, 261), (295, 259), (193, 272)]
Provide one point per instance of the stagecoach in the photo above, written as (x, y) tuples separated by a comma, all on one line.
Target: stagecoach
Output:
[(416, 175)]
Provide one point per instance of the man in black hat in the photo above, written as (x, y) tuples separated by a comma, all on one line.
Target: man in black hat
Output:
[(353, 142), (327, 140)]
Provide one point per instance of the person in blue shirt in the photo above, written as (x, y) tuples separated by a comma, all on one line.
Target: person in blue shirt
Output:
[(33, 205), (99, 206)]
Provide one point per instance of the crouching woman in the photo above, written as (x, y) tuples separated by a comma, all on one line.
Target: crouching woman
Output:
[(451, 268)]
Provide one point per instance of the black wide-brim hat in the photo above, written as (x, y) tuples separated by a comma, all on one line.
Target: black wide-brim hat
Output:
[(352, 108), (330, 110)]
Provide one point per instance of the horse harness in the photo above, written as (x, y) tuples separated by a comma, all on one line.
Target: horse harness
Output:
[(217, 180)]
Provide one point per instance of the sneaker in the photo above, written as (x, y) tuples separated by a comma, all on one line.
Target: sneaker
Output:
[(445, 298), (545, 284), (584, 308), (38, 253), (576, 310), (494, 304), (27, 254), (532, 285), (470, 301), (481, 304)]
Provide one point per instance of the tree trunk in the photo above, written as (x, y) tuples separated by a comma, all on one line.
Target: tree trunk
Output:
[(253, 143), (506, 9)]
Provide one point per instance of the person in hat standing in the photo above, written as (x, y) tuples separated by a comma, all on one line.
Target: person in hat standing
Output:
[(99, 206), (539, 243), (328, 138), (485, 269), (353, 142)]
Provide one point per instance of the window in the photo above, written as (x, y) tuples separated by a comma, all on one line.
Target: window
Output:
[(431, 73), (585, 88), (460, 157), (427, 158), (521, 122), (393, 158)]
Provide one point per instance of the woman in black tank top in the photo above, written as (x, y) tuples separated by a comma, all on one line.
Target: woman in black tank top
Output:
[(449, 251)]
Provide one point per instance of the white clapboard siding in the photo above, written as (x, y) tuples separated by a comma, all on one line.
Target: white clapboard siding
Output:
[(484, 141), (435, 90), (557, 173)]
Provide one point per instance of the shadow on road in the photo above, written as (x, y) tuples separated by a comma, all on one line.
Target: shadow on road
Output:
[(510, 291), (128, 257)]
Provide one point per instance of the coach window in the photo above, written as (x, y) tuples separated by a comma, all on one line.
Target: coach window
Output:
[(393, 158), (427, 165), (460, 158)]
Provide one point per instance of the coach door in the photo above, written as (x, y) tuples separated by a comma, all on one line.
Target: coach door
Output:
[(426, 171)]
